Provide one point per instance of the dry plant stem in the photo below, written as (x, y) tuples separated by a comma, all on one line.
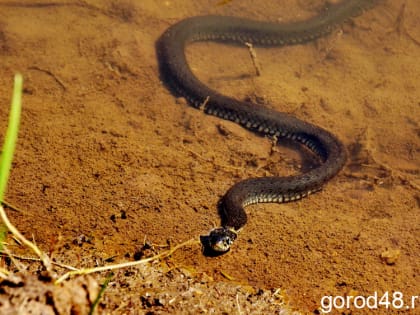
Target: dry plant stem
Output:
[(253, 55), (203, 105), (7, 253), (59, 82), (43, 257), (238, 305), (37, 259), (125, 265), (10, 206), (400, 27), (399, 23)]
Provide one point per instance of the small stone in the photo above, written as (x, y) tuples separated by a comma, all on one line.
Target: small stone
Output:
[(352, 292), (223, 130), (390, 256), (197, 292), (181, 101)]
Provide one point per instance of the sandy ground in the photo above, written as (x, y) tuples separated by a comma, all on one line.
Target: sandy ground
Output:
[(107, 158)]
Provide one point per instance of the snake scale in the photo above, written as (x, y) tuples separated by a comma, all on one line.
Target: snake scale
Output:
[(175, 71)]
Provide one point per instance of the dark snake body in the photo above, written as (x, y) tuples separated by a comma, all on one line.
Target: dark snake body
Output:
[(176, 72)]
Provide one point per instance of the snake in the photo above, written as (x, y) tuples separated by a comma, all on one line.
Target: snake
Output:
[(176, 73)]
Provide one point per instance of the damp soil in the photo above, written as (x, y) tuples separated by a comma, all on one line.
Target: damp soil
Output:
[(108, 159)]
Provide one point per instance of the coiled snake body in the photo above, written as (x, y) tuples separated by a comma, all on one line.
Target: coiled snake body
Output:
[(176, 72)]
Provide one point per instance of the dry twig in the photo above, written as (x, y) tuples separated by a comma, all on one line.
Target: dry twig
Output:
[(42, 256), (254, 58), (126, 264)]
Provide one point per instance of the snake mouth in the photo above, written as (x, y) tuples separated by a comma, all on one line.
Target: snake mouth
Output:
[(219, 241)]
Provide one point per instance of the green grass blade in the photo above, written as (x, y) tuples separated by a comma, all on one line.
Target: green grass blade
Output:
[(11, 134), (101, 292)]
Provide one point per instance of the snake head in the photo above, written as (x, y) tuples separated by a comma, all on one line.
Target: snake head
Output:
[(219, 240)]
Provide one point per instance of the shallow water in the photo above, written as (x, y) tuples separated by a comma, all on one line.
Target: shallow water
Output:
[(106, 151)]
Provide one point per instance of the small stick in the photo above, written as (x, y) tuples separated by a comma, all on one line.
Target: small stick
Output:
[(56, 79), (399, 26), (253, 55), (203, 105), (399, 22), (10, 206), (237, 304), (124, 265), (36, 259), (42, 256)]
